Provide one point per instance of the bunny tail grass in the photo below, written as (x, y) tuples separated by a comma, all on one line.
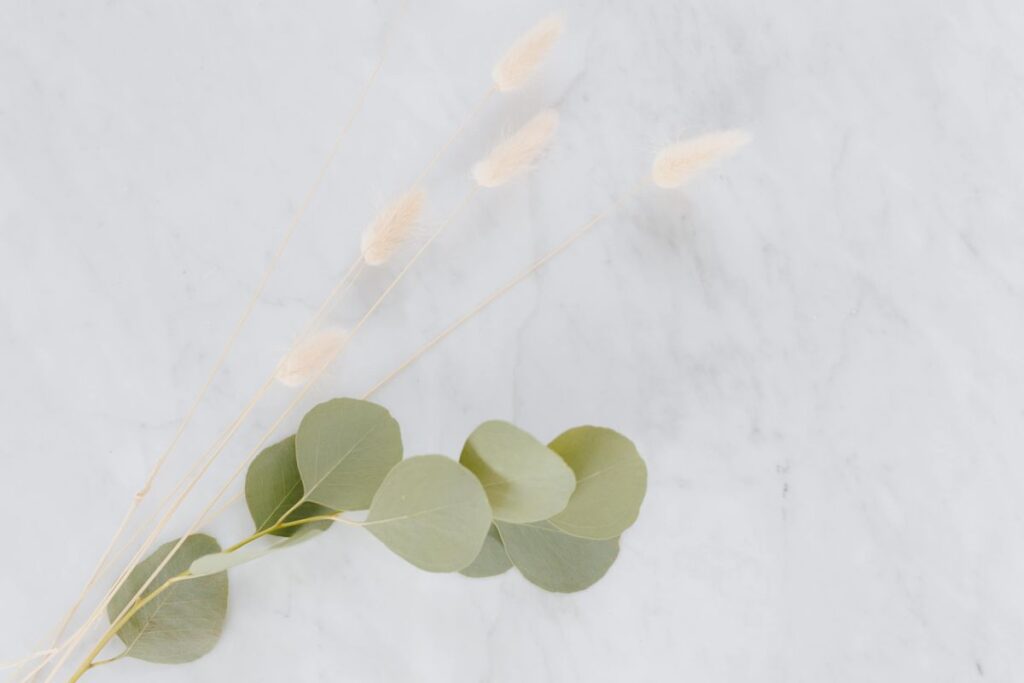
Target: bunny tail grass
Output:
[(518, 153), (392, 227), (679, 162), (524, 57), (309, 357)]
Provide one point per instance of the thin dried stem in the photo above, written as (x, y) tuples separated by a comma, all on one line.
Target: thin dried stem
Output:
[(25, 660), (473, 113)]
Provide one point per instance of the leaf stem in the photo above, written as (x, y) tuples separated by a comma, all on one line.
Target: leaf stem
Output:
[(90, 661), (336, 517)]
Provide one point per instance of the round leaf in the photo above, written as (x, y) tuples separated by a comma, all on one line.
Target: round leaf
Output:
[(184, 622), (492, 560), (344, 448), (611, 480), (273, 486), (433, 512), (556, 561), (524, 479)]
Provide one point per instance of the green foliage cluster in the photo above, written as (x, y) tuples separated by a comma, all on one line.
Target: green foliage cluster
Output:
[(555, 512)]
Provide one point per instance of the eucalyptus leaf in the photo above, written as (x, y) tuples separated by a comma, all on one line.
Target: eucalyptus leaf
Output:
[(525, 480), (273, 486), (492, 560), (184, 621), (431, 511), (219, 562), (556, 561), (344, 448), (611, 480)]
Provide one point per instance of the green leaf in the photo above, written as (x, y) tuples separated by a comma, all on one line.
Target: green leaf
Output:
[(344, 449), (492, 560), (219, 562), (611, 480), (433, 512), (556, 561), (273, 486), (182, 623), (524, 479)]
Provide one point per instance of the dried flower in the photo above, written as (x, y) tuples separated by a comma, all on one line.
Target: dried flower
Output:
[(679, 162), (309, 357), (522, 59), (518, 153), (392, 227)]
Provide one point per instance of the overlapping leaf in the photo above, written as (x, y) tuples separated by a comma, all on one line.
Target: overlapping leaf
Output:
[(611, 480), (273, 486), (492, 559), (554, 560), (525, 480), (184, 621), (433, 512), (344, 448)]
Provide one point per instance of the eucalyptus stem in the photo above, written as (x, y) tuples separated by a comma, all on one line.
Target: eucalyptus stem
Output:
[(89, 662), (336, 517)]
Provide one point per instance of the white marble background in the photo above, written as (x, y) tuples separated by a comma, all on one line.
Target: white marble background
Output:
[(818, 347)]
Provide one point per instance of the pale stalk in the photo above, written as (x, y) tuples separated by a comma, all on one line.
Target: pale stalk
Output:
[(454, 136), (17, 664)]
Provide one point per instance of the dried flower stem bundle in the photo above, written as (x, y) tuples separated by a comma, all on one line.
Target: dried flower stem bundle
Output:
[(228, 346), (323, 362)]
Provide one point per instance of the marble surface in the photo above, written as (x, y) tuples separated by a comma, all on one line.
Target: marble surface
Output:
[(817, 347)]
